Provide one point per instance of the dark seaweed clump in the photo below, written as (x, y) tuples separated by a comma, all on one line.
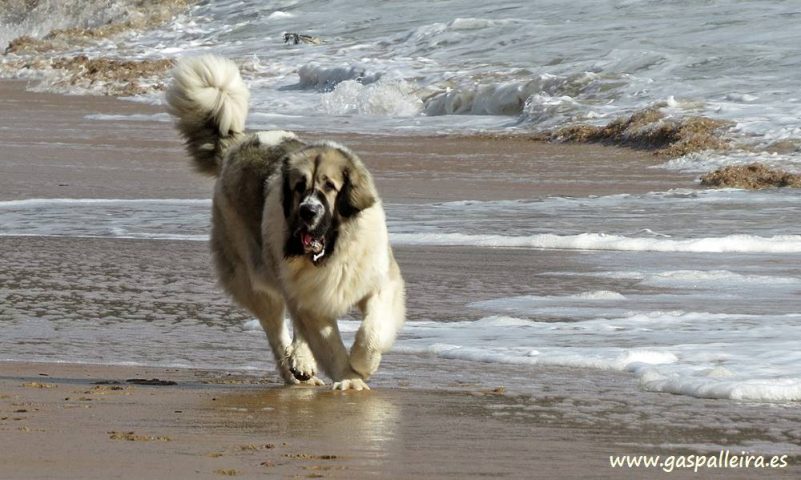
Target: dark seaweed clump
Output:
[(649, 129), (752, 177)]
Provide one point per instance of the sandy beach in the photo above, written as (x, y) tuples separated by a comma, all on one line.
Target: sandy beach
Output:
[(73, 421), (446, 420)]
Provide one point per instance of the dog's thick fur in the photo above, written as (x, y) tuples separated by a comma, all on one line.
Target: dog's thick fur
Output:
[(294, 225)]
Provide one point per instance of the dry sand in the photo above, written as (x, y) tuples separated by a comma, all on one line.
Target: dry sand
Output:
[(56, 421)]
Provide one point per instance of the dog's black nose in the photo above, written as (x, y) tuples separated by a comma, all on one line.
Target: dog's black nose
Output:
[(308, 211)]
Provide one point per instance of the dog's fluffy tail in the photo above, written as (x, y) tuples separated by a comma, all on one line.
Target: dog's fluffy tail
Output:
[(210, 101)]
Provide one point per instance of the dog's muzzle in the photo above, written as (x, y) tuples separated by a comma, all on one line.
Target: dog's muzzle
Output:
[(311, 211)]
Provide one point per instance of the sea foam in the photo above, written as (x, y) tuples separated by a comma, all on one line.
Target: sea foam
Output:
[(378, 98), (601, 241), (682, 364), (326, 78)]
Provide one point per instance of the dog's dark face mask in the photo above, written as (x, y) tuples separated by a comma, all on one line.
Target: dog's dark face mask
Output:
[(317, 198), (312, 231)]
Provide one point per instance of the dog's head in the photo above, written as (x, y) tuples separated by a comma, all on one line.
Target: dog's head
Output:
[(324, 185)]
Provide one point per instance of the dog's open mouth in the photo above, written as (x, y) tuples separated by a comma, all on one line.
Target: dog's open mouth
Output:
[(312, 245)]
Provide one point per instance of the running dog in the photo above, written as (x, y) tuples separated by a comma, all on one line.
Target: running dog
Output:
[(295, 226)]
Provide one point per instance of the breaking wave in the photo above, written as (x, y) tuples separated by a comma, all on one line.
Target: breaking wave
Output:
[(391, 98), (326, 78)]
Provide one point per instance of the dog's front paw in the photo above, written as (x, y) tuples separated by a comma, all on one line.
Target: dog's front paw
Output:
[(306, 380), (300, 363), (351, 384)]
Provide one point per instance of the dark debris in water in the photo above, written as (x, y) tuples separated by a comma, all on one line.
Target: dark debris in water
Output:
[(134, 437), (755, 176), (649, 129), (140, 15), (296, 38), (107, 76), (152, 381), (123, 73), (28, 44)]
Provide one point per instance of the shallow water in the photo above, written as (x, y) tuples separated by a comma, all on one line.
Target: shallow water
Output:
[(698, 289), (433, 66)]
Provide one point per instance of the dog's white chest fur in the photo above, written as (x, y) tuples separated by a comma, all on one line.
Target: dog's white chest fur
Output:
[(359, 262)]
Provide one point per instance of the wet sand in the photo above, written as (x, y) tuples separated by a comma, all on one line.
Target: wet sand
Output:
[(51, 150), (443, 422), (92, 422), (212, 424)]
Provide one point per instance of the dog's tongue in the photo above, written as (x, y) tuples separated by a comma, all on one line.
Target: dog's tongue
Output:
[(311, 244)]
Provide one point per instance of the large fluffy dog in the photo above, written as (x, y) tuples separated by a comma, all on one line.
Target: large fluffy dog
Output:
[(295, 225)]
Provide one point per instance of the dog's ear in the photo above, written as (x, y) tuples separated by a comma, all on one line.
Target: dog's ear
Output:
[(358, 191), (286, 189)]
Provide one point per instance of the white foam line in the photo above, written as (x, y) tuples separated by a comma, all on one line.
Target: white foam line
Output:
[(37, 202), (141, 236), (740, 243), (137, 117), (601, 241)]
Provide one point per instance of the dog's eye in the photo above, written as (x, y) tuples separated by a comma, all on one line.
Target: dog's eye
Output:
[(300, 187), (329, 186)]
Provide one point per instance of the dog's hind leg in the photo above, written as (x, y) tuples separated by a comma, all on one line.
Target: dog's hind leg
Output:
[(384, 313), (329, 351)]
